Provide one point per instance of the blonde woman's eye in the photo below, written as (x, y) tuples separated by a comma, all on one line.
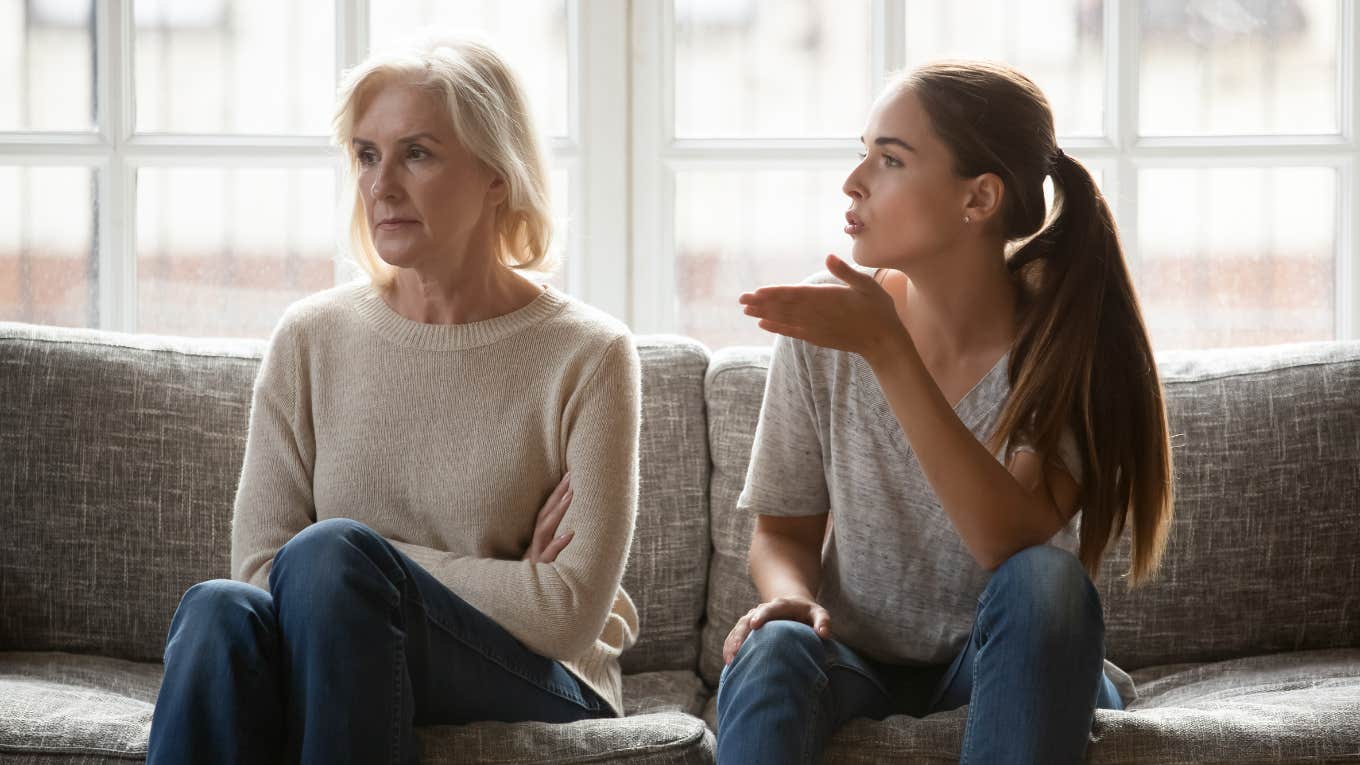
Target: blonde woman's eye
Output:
[(417, 153), (367, 157)]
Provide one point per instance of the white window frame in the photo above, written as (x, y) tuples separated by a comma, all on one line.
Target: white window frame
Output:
[(597, 211), (621, 153), (1119, 153)]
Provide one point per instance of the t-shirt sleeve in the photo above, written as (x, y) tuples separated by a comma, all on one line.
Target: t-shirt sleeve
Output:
[(786, 474), (1067, 454)]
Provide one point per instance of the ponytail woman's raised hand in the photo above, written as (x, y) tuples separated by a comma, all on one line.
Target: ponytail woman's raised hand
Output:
[(858, 316)]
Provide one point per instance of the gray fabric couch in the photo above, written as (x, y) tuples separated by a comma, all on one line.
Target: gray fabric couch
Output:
[(119, 456)]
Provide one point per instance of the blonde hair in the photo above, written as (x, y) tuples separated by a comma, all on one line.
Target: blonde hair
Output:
[(490, 117)]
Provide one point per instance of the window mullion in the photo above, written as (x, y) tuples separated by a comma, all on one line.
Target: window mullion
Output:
[(116, 186), (890, 39), (599, 262), (653, 97), (1121, 120), (1348, 178)]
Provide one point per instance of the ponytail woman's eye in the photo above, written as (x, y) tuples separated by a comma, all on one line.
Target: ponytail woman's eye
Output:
[(891, 161), (861, 155)]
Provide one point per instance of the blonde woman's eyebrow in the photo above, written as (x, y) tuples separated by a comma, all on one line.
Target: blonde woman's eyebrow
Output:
[(407, 139)]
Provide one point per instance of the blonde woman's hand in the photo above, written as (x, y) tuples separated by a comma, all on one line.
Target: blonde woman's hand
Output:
[(547, 543), (858, 316), (794, 609)]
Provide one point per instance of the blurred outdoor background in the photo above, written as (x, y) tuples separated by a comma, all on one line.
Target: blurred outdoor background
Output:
[(1227, 246)]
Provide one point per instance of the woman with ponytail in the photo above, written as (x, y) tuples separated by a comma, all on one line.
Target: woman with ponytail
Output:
[(976, 405)]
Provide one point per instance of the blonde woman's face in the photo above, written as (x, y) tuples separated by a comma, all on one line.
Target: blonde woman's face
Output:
[(904, 195), (430, 203)]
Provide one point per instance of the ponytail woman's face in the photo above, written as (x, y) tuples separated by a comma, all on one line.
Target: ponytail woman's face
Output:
[(906, 203)]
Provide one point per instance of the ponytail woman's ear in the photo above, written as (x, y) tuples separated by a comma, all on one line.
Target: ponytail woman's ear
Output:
[(986, 194)]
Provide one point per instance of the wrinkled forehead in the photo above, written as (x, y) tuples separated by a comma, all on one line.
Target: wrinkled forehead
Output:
[(399, 104)]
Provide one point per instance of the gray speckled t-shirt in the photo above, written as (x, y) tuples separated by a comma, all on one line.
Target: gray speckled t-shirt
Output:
[(897, 579)]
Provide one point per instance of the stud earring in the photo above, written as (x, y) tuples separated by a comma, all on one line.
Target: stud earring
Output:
[(966, 219)]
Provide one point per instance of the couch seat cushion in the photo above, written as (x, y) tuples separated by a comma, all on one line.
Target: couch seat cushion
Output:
[(71, 707), (1293, 707)]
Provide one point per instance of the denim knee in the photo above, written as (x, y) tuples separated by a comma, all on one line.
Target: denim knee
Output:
[(782, 651), (324, 559), (1049, 586), (222, 617)]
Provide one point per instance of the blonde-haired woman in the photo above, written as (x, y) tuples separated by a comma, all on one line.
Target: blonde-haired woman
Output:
[(440, 477)]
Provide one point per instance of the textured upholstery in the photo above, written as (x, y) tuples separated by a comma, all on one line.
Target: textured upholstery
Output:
[(119, 457), (77, 708), (1262, 556)]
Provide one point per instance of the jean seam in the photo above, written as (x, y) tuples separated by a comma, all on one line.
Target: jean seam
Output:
[(971, 726), (552, 688), (814, 711), (399, 660)]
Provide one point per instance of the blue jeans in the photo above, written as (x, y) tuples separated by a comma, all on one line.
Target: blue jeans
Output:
[(1030, 673), (353, 645)]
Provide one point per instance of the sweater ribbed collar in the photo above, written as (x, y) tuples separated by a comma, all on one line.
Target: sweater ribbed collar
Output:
[(450, 337)]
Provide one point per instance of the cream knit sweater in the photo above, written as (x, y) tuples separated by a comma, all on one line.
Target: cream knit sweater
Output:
[(446, 440)]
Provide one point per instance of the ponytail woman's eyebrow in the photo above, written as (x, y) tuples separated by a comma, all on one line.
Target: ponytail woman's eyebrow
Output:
[(886, 140)]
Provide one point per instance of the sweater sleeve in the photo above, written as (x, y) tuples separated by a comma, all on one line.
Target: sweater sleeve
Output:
[(560, 609), (786, 475), (274, 496)]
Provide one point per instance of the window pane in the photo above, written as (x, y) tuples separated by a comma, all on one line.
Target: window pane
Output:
[(47, 65), (1057, 43), (235, 66), (48, 270), (736, 230), (758, 69), (223, 251), (1238, 68), (1237, 256), (531, 34)]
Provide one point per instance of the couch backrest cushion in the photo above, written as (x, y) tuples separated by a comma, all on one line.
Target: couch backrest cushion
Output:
[(1263, 551), (667, 567), (1262, 557), (734, 389), (119, 457)]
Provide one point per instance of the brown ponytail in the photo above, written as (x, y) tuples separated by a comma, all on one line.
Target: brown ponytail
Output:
[(1082, 358)]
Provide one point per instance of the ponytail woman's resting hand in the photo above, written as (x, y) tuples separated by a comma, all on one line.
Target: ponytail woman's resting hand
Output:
[(793, 608), (547, 543)]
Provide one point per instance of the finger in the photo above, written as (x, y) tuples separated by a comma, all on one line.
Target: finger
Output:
[(780, 328), (821, 622), (784, 313), (554, 547), (735, 639), (777, 609), (551, 515), (561, 488), (778, 293), (848, 274)]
